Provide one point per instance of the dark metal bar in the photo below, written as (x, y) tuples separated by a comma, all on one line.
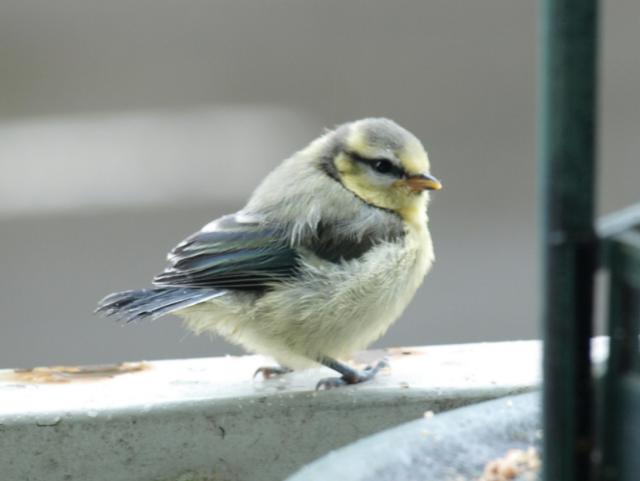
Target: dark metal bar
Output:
[(567, 163), (619, 423)]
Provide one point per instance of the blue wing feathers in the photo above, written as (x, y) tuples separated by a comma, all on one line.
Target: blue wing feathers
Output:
[(134, 305), (231, 255), (234, 255)]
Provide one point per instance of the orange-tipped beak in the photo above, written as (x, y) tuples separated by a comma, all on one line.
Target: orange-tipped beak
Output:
[(420, 182)]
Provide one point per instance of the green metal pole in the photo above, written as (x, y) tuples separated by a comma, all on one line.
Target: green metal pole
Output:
[(567, 168), (619, 419)]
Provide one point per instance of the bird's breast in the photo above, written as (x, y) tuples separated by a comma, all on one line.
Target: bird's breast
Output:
[(343, 307)]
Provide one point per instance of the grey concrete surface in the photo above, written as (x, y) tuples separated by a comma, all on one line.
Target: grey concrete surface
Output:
[(461, 75), (206, 419)]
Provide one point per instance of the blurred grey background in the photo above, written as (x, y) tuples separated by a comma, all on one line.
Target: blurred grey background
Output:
[(126, 125)]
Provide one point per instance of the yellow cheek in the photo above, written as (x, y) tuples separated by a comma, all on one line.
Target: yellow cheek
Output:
[(409, 206), (354, 180), (360, 187)]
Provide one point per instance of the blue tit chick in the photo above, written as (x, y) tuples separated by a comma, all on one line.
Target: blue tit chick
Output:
[(325, 256)]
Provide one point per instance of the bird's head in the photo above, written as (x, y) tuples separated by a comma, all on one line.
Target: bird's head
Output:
[(382, 163)]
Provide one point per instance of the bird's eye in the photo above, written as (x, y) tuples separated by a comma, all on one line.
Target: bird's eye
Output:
[(383, 166)]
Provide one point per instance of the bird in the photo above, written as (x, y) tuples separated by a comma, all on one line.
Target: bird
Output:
[(326, 254)]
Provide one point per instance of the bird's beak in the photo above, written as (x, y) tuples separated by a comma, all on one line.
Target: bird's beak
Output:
[(420, 182)]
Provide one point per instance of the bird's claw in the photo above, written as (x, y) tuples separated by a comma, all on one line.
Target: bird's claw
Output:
[(366, 374), (269, 372), (382, 364), (330, 383)]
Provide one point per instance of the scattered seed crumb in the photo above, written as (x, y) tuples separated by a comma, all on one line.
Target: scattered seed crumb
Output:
[(533, 459), (429, 414), (515, 463)]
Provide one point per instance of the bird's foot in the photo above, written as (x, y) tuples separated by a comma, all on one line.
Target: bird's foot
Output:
[(269, 372), (354, 377)]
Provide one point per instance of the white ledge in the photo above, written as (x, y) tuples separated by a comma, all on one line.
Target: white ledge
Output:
[(206, 419)]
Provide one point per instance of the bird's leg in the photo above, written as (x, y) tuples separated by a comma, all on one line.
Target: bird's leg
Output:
[(349, 375), (272, 371)]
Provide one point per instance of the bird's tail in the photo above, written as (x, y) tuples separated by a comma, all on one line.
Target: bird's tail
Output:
[(129, 306)]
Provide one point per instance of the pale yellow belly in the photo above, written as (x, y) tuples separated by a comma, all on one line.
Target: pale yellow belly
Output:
[(334, 310)]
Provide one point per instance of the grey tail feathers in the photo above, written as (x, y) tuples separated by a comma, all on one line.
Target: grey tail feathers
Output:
[(129, 306)]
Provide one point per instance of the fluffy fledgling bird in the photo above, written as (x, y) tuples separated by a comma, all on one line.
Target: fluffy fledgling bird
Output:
[(325, 256)]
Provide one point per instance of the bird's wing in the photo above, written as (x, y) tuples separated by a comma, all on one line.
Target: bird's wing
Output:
[(234, 252)]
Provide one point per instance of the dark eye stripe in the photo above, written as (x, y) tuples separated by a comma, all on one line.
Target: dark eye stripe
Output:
[(389, 167)]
